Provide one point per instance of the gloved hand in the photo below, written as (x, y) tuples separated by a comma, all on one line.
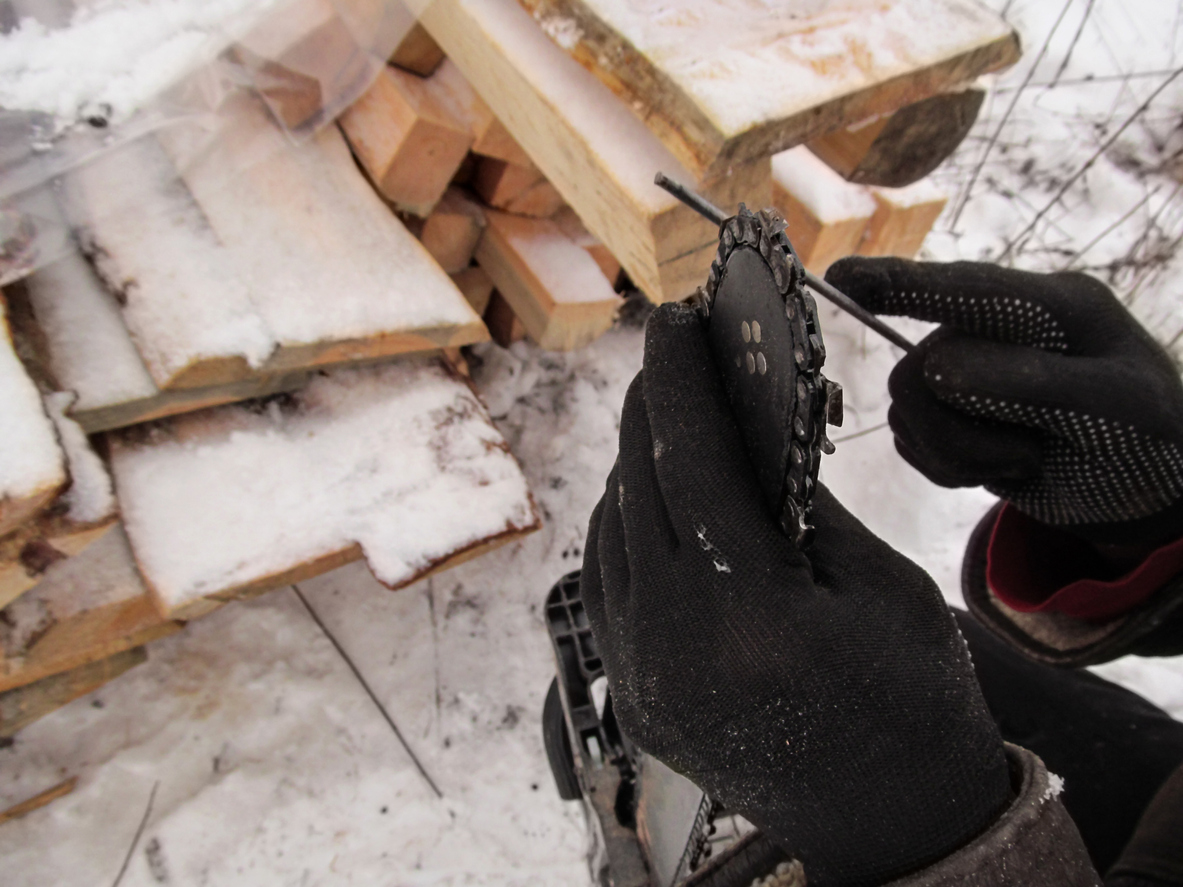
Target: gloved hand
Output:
[(1040, 387), (827, 695)]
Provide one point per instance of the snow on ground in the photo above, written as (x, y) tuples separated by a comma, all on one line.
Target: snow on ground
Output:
[(116, 55), (270, 763)]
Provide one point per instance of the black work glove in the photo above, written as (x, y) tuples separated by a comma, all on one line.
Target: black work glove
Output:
[(827, 696), (1040, 387)]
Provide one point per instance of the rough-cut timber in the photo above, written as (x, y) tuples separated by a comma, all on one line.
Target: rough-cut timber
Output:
[(71, 327), (894, 150), (316, 51), (409, 137), (476, 286), (903, 217), (516, 189), (453, 229), (827, 215), (26, 553), (417, 52), (570, 225), (38, 801), (504, 325), (490, 137), (32, 465), (589, 145), (86, 609), (400, 464), (723, 83), (223, 275), (22, 706), (553, 285)]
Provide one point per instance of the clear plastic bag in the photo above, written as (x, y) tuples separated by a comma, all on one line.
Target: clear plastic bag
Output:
[(78, 84)]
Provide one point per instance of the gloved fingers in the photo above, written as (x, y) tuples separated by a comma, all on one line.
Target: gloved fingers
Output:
[(702, 464), (591, 586), (1055, 312), (615, 575), (948, 446), (647, 526), (1053, 392)]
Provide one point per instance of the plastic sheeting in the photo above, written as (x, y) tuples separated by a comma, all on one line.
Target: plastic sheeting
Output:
[(81, 80)]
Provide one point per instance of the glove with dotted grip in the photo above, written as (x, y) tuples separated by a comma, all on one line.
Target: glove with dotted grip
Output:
[(1040, 387), (826, 695)]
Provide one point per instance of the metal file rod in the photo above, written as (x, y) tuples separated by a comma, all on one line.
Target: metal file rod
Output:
[(709, 211)]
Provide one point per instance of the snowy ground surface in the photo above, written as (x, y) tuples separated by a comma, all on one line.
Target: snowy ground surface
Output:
[(268, 764)]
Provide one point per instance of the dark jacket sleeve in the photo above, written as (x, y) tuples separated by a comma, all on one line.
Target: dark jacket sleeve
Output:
[(1033, 843), (1154, 855)]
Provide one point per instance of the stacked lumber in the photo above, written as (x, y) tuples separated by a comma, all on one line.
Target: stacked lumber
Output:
[(261, 334), (436, 153), (399, 464), (190, 334), (724, 83), (829, 217)]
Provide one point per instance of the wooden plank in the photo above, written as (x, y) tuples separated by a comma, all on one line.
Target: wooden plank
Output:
[(493, 140), (453, 230), (553, 285), (222, 276), (900, 148), (827, 215), (569, 224), (38, 801), (589, 145), (22, 706), (28, 552), (303, 60), (476, 286), (903, 217), (399, 463), (79, 336), (516, 189), (32, 465), (417, 52), (409, 137), (723, 83), (504, 325), (85, 609), (490, 137)]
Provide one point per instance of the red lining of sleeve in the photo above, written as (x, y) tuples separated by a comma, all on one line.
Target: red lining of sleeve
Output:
[(1034, 568)]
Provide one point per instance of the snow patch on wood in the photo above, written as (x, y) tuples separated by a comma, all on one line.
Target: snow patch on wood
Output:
[(31, 463), (401, 460), (828, 196)]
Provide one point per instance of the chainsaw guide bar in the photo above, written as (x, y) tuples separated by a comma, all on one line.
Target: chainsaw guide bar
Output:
[(764, 333)]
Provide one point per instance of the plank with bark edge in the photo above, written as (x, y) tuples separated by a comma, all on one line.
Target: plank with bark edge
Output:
[(722, 83), (399, 463)]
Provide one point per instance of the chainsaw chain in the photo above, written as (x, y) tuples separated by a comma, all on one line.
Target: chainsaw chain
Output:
[(816, 398)]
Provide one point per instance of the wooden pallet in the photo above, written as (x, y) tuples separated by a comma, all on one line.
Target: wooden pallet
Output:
[(724, 83), (590, 146), (399, 464)]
